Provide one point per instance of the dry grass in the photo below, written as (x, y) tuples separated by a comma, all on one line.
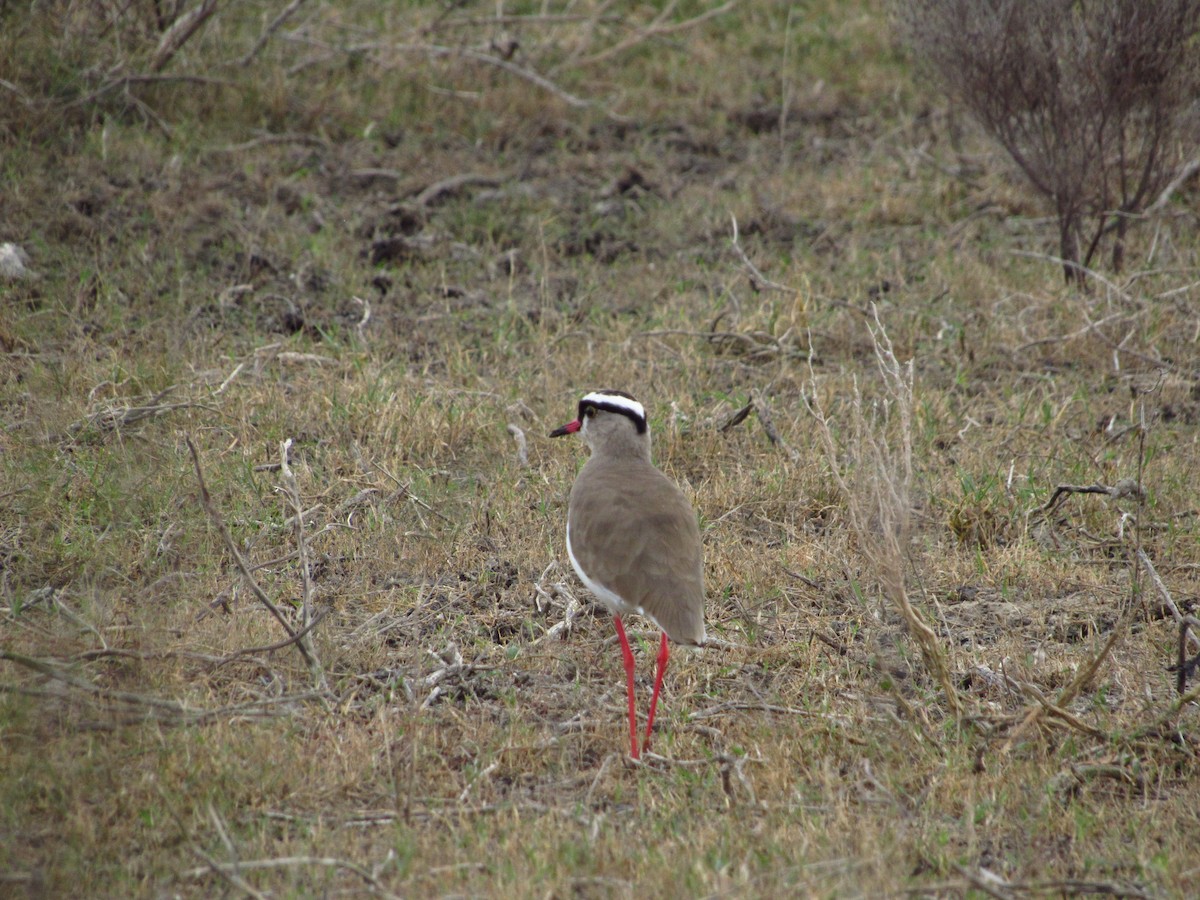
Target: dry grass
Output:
[(214, 284)]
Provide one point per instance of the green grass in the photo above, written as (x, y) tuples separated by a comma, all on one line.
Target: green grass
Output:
[(214, 240)]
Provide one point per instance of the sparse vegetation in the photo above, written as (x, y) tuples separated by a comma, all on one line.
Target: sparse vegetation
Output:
[(409, 264), (1096, 102)]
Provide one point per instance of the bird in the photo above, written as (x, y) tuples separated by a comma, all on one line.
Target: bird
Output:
[(632, 536)]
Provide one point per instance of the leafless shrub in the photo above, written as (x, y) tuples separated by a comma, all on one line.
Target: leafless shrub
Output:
[(1096, 101)]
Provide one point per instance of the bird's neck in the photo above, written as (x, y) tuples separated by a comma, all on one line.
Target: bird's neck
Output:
[(625, 453)]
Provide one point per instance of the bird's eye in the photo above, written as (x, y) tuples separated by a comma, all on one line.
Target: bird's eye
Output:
[(589, 412)]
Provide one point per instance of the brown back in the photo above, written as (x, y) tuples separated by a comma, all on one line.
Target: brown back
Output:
[(634, 532)]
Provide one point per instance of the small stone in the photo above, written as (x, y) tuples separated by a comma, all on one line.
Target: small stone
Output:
[(14, 262)]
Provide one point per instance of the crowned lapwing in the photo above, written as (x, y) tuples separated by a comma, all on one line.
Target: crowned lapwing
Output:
[(632, 535)]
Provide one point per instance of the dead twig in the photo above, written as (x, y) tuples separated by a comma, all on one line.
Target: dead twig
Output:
[(1186, 171), (310, 140), (21, 95), (1064, 489), (754, 345), (52, 671), (219, 523), (1072, 887), (360, 327), (1055, 709), (761, 280), (275, 24), (466, 792), (1068, 694), (123, 82), (656, 28), (986, 881), (522, 444), (1167, 600), (764, 417), (229, 872), (119, 416), (1185, 667), (563, 628), (453, 666), (284, 862), (302, 637), (156, 708), (452, 185), (271, 648), (181, 32), (512, 68), (1072, 335), (736, 417), (290, 356), (720, 709), (1192, 696)]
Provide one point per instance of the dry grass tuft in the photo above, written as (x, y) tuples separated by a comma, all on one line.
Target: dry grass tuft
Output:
[(879, 501)]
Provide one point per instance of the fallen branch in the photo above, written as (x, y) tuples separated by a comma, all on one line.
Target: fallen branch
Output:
[(284, 862), (1126, 487), (452, 185), (181, 32)]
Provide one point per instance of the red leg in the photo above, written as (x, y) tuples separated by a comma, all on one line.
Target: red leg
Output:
[(628, 655), (663, 654)]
